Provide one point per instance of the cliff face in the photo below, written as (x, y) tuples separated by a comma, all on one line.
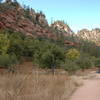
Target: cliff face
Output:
[(62, 27), (14, 17), (29, 22), (93, 35)]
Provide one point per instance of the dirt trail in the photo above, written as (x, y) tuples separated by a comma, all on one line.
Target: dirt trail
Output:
[(89, 91)]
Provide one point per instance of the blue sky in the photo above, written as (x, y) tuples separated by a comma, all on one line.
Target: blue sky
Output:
[(78, 14)]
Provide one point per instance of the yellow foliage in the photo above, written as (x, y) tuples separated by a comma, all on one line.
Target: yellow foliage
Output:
[(73, 54)]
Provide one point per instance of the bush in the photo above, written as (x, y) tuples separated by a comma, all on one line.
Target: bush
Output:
[(49, 55), (51, 59), (5, 61), (97, 62), (84, 63), (29, 46), (70, 66), (72, 54), (14, 59), (8, 61), (4, 43), (16, 45)]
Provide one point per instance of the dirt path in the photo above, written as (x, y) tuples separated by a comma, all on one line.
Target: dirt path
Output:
[(89, 91)]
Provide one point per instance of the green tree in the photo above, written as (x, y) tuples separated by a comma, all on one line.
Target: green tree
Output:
[(72, 54), (28, 46), (70, 66), (85, 62), (48, 55), (97, 62), (53, 58), (4, 43), (16, 45)]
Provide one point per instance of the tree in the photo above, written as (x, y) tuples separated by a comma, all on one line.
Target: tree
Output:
[(70, 66), (49, 56), (85, 62), (4, 44), (53, 58), (28, 46), (16, 44), (97, 62), (73, 54)]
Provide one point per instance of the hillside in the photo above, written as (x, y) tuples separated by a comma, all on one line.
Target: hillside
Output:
[(62, 27), (91, 35), (27, 21), (39, 61), (24, 20), (26, 33)]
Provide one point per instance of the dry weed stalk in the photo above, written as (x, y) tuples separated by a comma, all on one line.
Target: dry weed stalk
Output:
[(35, 86)]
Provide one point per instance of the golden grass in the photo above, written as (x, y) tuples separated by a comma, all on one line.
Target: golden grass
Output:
[(35, 86)]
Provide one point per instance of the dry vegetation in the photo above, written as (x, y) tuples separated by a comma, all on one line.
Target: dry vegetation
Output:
[(35, 84), (35, 87)]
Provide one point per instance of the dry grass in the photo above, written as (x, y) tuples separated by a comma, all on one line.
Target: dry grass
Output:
[(29, 84), (33, 86)]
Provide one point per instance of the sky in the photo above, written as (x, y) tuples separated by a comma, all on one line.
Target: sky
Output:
[(78, 14)]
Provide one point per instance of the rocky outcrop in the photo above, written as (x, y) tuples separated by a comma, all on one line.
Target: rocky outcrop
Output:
[(93, 35), (28, 22), (64, 28)]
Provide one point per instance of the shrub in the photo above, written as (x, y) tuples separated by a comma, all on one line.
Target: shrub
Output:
[(70, 66), (16, 45), (8, 61), (49, 55), (4, 43), (51, 59), (29, 46), (84, 63), (97, 62), (5, 61), (14, 59), (73, 54)]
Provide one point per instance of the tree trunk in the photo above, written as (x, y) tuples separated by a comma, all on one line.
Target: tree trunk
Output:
[(53, 69)]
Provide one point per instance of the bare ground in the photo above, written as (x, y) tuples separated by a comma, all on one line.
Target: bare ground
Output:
[(89, 91)]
